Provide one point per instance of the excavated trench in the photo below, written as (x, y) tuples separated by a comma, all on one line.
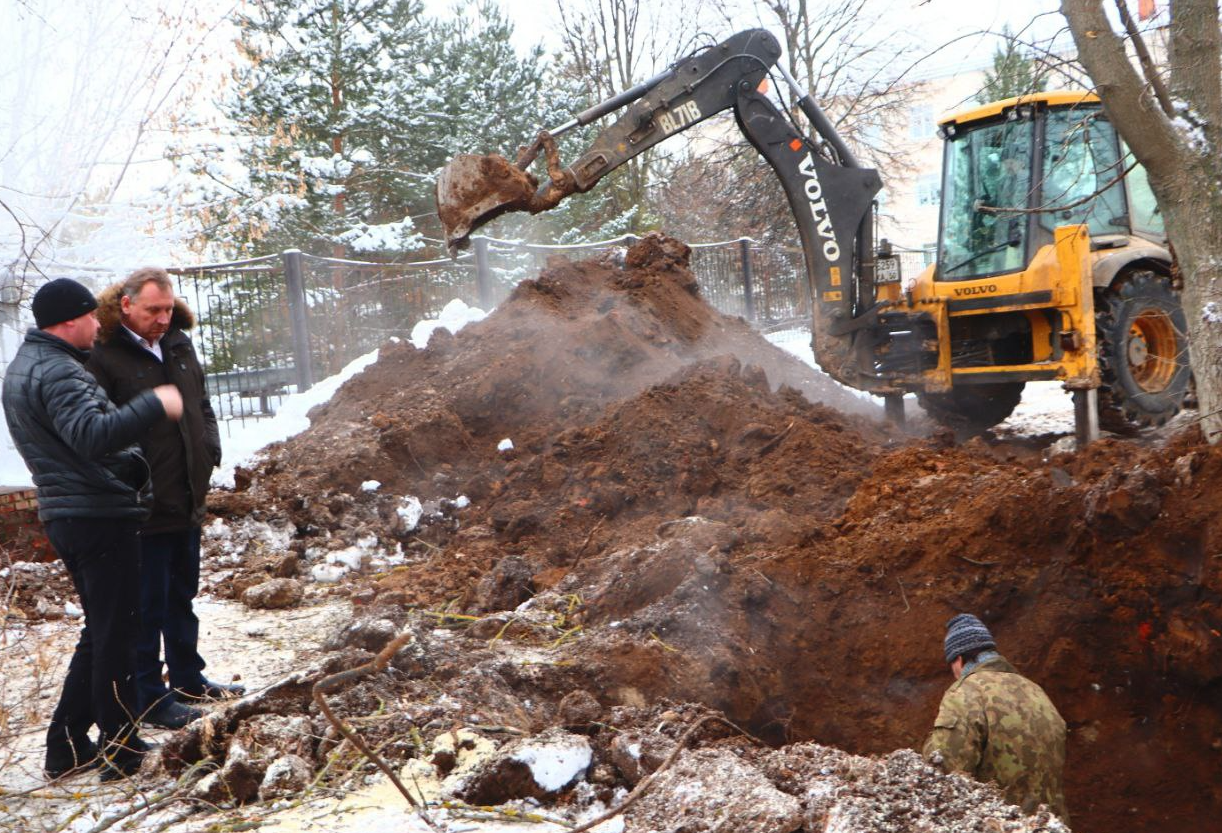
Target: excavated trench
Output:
[(719, 538)]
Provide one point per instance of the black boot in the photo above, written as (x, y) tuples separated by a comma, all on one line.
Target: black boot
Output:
[(122, 757), (73, 755)]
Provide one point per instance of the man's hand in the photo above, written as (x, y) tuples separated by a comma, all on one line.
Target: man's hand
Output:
[(171, 400)]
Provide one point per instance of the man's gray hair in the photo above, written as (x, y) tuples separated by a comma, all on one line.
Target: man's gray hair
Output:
[(148, 274)]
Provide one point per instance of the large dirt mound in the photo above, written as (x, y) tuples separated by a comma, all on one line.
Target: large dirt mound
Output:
[(698, 533), (557, 353)]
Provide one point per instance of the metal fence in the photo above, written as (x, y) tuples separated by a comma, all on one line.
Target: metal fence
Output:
[(274, 325)]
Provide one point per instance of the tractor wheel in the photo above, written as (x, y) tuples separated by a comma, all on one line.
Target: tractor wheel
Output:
[(972, 409), (1143, 352)]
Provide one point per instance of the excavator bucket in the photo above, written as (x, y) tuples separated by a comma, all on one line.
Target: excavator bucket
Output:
[(471, 190)]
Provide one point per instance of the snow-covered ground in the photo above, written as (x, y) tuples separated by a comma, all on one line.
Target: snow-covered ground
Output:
[(258, 646)]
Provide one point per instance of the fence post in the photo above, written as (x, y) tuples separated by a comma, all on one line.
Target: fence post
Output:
[(297, 318), (744, 251), (483, 273)]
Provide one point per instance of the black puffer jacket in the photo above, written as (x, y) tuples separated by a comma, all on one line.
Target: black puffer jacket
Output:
[(78, 444), (182, 454)]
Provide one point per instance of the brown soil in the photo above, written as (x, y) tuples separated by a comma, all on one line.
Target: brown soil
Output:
[(692, 528)]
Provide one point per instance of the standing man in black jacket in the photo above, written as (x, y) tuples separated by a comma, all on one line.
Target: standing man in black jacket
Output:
[(93, 493), (143, 343)]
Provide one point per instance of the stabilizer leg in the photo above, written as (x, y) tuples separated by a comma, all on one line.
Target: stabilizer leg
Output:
[(1086, 416), (893, 403)]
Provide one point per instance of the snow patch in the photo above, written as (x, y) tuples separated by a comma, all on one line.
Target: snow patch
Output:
[(410, 511), (324, 167), (385, 237), (217, 530), (328, 573), (454, 316), (556, 764), (351, 557), (1191, 126)]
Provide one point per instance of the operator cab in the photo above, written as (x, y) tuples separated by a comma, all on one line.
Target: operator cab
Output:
[(1016, 170)]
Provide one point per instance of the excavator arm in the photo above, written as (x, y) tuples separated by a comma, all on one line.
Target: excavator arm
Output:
[(829, 193)]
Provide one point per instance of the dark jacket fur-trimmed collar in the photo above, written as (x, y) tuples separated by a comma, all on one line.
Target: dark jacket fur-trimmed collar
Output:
[(110, 314)]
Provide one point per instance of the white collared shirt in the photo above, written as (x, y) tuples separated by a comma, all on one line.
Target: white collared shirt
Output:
[(153, 347)]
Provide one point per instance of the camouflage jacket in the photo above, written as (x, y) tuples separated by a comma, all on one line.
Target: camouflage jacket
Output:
[(996, 725)]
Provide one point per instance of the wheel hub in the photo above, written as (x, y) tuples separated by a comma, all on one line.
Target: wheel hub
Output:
[(1138, 350), (1152, 350)]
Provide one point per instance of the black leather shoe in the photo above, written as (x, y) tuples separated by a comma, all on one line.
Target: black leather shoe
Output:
[(120, 766), (141, 745), (71, 758), (208, 690), (122, 760), (170, 714)]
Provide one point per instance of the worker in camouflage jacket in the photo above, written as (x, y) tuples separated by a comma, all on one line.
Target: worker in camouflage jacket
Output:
[(996, 725)]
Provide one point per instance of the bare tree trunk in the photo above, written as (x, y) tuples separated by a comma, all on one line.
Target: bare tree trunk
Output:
[(1182, 153)]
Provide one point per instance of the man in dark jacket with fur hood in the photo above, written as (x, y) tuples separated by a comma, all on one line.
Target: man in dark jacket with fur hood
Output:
[(93, 494), (143, 343)]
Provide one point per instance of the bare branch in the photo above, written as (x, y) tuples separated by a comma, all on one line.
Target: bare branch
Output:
[(1147, 63), (1146, 129)]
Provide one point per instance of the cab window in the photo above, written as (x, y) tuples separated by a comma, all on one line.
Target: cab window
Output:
[(1081, 177)]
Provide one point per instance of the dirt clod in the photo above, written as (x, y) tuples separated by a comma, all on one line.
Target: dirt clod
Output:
[(285, 777), (368, 634), (579, 708), (275, 593), (536, 767)]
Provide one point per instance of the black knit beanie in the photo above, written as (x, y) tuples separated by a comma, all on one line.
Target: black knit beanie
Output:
[(61, 300), (965, 634)]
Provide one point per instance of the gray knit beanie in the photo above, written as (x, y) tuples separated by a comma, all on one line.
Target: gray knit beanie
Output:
[(965, 634)]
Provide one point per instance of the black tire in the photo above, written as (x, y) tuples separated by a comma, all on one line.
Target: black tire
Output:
[(1143, 352), (972, 409)]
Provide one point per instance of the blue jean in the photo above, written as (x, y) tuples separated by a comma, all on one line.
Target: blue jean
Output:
[(169, 580)]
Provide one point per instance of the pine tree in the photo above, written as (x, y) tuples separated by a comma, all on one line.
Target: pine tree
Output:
[(344, 111), (1014, 73), (322, 107)]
